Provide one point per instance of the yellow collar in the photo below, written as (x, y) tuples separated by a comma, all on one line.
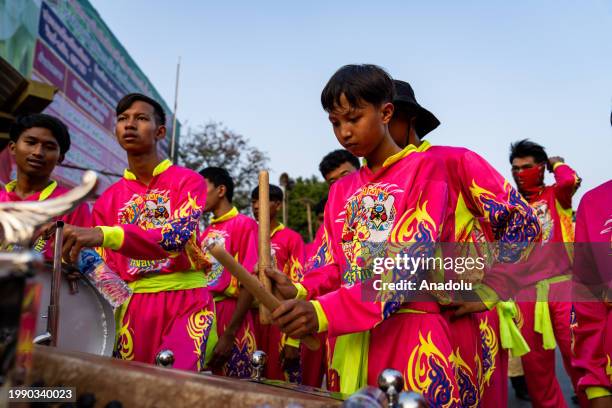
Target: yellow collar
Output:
[(159, 169), (227, 216), (396, 157), (425, 145), (278, 228), (399, 155), (44, 194)]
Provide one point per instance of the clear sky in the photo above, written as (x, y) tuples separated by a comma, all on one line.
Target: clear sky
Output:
[(492, 71)]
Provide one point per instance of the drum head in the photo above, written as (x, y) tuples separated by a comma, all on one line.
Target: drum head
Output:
[(86, 320)]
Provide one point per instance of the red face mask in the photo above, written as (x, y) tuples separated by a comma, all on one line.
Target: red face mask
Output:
[(530, 181)]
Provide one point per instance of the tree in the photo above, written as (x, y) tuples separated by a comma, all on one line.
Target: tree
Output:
[(215, 145), (304, 189)]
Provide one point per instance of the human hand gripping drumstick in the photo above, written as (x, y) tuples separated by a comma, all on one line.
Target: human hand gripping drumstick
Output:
[(253, 285), (264, 242)]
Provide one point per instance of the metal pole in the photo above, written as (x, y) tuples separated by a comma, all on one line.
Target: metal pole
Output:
[(173, 146), (54, 300)]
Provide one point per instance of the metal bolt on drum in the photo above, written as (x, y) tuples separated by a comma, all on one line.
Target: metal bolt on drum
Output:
[(165, 358), (258, 362), (411, 400), (391, 382)]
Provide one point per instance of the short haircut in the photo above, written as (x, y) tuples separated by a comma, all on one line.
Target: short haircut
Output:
[(57, 128), (276, 193), (220, 177), (358, 83), (525, 148), (128, 100), (334, 159)]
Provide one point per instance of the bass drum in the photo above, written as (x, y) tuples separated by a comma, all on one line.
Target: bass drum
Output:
[(86, 321)]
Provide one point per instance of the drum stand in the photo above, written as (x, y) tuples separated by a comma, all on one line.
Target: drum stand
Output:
[(50, 337)]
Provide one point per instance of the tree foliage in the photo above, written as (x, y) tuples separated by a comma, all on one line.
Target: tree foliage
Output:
[(215, 145), (304, 189)]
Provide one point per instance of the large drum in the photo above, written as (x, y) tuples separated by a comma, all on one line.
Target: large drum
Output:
[(86, 321)]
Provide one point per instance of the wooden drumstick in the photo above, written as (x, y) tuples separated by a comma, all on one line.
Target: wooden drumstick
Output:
[(253, 285), (264, 241)]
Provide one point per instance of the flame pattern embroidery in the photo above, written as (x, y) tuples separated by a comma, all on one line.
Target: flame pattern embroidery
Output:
[(609, 367), (490, 348), (125, 343), (322, 256), (293, 269), (514, 225), (177, 232), (239, 364), (430, 374), (199, 325), (414, 236), (468, 391)]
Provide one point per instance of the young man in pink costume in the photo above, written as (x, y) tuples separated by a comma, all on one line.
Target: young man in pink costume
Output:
[(547, 322), (39, 142), (288, 254), (592, 320), (231, 356), (397, 200), (478, 357), (147, 228), (333, 166)]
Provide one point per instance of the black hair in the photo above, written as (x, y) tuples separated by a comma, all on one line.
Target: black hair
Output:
[(358, 83), (220, 177), (334, 159), (525, 148), (276, 193), (128, 100), (319, 207), (57, 128)]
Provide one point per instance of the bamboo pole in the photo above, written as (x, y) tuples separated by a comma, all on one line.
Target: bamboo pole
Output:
[(264, 241)]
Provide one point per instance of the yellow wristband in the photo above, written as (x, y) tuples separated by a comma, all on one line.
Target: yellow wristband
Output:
[(597, 392), (302, 293), (321, 317), (113, 237), (292, 342)]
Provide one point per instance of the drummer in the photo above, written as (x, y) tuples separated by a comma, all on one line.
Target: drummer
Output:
[(38, 143), (147, 226)]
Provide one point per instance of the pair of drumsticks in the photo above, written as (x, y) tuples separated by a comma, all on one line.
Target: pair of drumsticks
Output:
[(261, 288)]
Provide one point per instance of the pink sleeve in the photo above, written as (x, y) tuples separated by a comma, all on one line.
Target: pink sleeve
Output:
[(566, 184), (160, 243), (590, 328), (513, 222), (360, 307), (323, 273), (511, 217), (247, 247), (589, 332)]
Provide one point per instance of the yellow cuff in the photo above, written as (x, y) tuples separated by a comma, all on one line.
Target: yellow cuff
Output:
[(302, 293), (321, 317), (292, 342), (113, 237), (487, 295), (557, 164), (597, 392)]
